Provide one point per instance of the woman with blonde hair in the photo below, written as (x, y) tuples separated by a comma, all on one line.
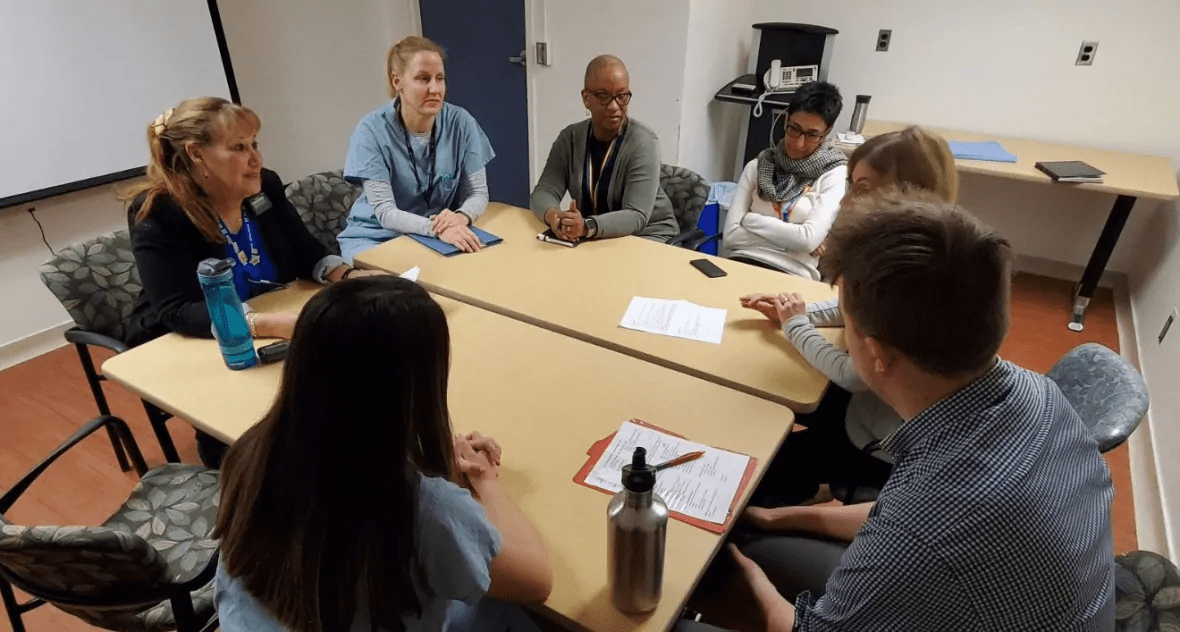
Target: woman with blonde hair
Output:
[(420, 160), (843, 431), (208, 196)]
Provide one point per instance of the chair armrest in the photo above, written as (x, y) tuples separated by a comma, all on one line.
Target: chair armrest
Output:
[(120, 426), (81, 336), (686, 237), (701, 241)]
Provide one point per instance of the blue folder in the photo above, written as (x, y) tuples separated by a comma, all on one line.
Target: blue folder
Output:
[(988, 150), (447, 250)]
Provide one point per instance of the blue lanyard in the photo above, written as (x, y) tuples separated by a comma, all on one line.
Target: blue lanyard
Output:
[(255, 258)]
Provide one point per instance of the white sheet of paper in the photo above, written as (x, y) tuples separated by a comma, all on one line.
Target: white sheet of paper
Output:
[(411, 274), (703, 488), (676, 318)]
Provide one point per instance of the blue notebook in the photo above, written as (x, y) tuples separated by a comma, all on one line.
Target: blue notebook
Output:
[(988, 150), (447, 250)]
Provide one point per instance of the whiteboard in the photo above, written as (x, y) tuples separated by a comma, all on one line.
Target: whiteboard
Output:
[(81, 79)]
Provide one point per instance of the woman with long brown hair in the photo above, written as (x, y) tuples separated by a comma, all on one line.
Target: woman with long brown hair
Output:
[(208, 196), (351, 506)]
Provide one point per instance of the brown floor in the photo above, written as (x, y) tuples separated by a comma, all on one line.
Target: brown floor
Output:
[(45, 399)]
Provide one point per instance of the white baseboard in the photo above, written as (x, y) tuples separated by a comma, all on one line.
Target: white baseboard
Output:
[(1151, 523), (32, 346)]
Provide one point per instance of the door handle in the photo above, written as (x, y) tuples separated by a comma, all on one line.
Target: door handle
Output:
[(521, 59)]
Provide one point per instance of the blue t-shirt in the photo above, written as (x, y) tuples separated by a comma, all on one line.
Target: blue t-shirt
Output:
[(455, 545), (378, 151)]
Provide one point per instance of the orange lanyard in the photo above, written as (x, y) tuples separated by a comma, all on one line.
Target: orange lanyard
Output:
[(590, 175)]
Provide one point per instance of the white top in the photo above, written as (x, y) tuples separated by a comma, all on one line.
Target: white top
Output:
[(754, 229)]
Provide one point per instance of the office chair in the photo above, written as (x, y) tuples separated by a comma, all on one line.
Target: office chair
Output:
[(97, 282), (149, 567), (323, 201), (688, 192)]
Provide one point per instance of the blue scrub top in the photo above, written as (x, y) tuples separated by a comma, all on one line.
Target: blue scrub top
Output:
[(378, 151)]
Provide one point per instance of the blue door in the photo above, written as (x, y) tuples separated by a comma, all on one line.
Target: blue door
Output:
[(479, 37)]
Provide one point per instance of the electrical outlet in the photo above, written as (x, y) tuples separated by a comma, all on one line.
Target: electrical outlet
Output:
[(1167, 325), (883, 37), (1086, 54)]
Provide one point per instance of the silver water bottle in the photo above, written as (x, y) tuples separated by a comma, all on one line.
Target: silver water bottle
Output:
[(637, 526), (860, 113)]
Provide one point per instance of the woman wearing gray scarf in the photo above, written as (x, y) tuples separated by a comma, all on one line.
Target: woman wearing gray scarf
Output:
[(789, 195)]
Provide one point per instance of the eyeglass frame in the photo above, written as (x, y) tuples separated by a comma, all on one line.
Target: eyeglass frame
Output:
[(601, 95), (810, 137)]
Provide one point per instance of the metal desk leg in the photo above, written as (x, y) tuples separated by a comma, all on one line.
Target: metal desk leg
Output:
[(1098, 259)]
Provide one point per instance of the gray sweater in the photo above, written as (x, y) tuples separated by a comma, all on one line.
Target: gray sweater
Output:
[(868, 418), (639, 204)]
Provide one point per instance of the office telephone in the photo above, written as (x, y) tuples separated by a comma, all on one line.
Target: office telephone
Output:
[(781, 78)]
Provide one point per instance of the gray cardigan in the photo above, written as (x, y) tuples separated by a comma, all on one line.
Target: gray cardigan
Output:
[(641, 208)]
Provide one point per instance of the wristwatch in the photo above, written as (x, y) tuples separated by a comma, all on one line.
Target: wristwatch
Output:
[(591, 227)]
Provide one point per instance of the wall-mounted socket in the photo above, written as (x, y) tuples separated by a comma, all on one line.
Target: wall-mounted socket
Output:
[(1167, 325), (1086, 54), (883, 37)]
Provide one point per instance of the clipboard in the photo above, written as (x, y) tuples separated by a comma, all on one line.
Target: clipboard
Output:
[(596, 450)]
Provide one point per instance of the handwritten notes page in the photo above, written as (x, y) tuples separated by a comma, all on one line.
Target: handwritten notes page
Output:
[(676, 318), (702, 489)]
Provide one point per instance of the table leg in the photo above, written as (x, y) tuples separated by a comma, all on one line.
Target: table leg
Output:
[(1098, 259)]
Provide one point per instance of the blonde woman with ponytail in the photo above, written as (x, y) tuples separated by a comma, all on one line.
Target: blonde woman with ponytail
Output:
[(208, 196), (420, 160)]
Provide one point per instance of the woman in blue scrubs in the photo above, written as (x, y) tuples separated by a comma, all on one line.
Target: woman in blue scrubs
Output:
[(420, 160)]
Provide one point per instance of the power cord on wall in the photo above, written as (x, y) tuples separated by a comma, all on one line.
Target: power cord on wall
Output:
[(32, 213)]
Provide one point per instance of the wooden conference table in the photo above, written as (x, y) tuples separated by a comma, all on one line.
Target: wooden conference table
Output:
[(503, 383), (583, 292), (1128, 176)]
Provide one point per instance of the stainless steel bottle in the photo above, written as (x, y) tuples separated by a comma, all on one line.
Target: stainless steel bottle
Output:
[(859, 114), (637, 526)]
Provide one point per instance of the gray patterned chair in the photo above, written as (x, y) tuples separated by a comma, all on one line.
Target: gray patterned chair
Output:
[(148, 568), (1108, 393), (97, 282), (1147, 593), (323, 201), (689, 192)]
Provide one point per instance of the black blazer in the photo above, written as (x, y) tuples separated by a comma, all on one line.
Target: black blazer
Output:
[(168, 247)]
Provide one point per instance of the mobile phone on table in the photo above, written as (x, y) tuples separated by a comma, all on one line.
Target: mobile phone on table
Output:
[(707, 268), (273, 352)]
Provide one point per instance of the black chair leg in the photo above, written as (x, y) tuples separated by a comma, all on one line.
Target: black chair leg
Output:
[(95, 382), (159, 420), (182, 613), (11, 607)]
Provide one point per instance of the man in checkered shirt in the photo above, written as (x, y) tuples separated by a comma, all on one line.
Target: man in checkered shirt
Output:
[(997, 514)]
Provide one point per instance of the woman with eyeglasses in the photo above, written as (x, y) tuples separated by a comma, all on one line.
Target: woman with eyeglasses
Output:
[(610, 166), (420, 160), (789, 195)]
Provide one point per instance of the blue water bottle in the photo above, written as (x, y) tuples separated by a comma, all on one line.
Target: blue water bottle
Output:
[(225, 310)]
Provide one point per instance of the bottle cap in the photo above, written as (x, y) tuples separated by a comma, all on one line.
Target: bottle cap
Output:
[(639, 477), (863, 98), (214, 267)]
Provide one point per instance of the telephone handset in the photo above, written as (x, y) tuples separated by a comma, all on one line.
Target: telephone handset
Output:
[(787, 79)]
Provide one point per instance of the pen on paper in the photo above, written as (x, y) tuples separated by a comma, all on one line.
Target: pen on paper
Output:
[(681, 460)]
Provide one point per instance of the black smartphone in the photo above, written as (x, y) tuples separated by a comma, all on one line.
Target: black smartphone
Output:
[(707, 268), (273, 352)]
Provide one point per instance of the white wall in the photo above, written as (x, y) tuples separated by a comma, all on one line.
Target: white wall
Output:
[(649, 36), (717, 50), (310, 70)]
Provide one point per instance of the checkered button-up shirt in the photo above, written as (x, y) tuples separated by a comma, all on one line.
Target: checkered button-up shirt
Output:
[(996, 517)]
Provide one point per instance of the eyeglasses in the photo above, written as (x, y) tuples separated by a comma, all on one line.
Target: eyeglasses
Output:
[(794, 131), (604, 98)]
